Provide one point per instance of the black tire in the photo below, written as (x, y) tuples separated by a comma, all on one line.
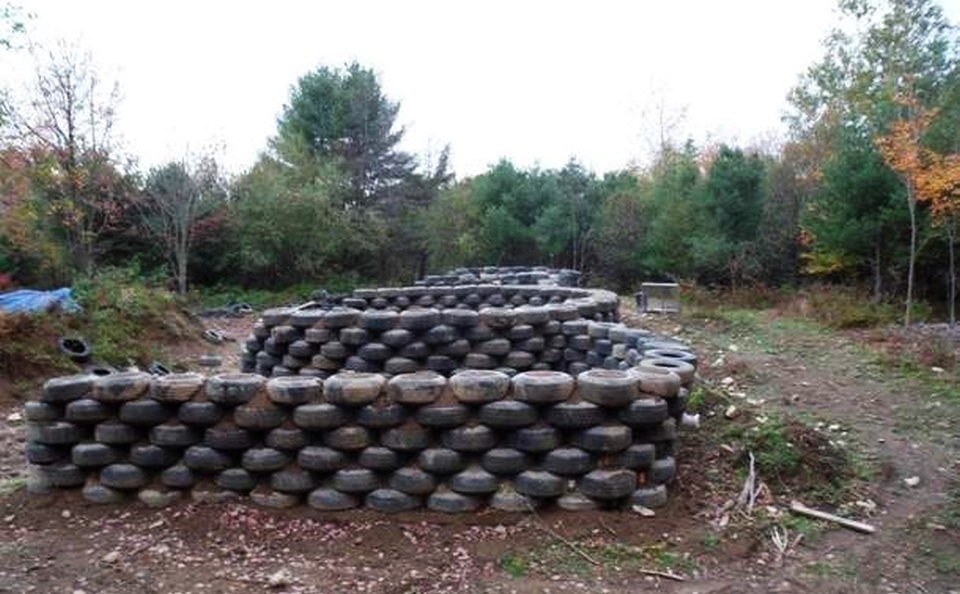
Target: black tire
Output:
[(400, 365), (475, 386), (236, 479), (608, 388), (443, 416), (292, 480), (479, 361), (417, 319), (415, 350), (66, 389), (604, 439), (353, 389), (537, 439), (576, 501), (449, 502), (294, 390), (353, 337), (116, 433), (508, 500), (575, 415), (286, 438), (638, 456), (349, 438), (94, 455), (144, 413), (123, 476), (98, 494), (379, 459), (56, 433), (413, 481), (650, 497), (677, 354), (264, 496), (507, 414), (607, 485), (341, 317), (441, 364), (568, 462), (200, 414), (441, 461), (498, 317), (379, 320), (355, 480), (460, 318), (38, 453), (397, 338), (206, 459), (121, 387), (542, 387), (644, 412), (176, 387), (148, 455), (301, 349), (520, 332), (470, 439), (406, 438), (474, 480), (264, 460), (41, 412), (178, 477), (322, 416), (321, 459), (174, 435), (391, 501), (479, 333), (234, 388), (261, 417), (495, 347), (87, 410), (376, 416), (335, 350), (62, 475), (662, 471), (227, 437), (539, 483), (505, 461), (325, 499), (76, 348), (416, 388)]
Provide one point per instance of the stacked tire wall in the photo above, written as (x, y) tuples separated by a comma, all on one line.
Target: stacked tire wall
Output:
[(606, 438), (504, 275)]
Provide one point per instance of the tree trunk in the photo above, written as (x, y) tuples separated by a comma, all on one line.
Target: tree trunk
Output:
[(877, 272), (182, 273), (952, 285), (912, 206)]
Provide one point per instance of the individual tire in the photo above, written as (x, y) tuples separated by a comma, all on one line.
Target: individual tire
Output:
[(233, 389), (121, 387), (349, 438), (568, 462), (94, 455), (56, 433), (406, 438), (377, 416), (638, 456), (391, 501), (156, 496), (226, 436), (604, 439), (259, 416), (441, 364), (41, 412), (206, 459), (676, 354), (607, 388), (292, 479), (657, 381), (416, 388), (145, 413), (443, 416), (123, 476), (99, 494), (321, 459), (397, 338), (449, 502), (176, 387), (335, 350), (61, 475), (178, 477), (116, 433), (650, 497), (236, 479), (415, 350), (286, 438), (326, 499), (319, 417), (148, 455), (200, 414), (539, 483), (294, 390), (575, 415), (495, 347), (685, 371), (576, 501), (441, 461), (662, 471), (341, 317), (264, 460), (606, 485), (174, 435), (87, 410), (507, 414), (417, 319), (379, 459), (355, 480), (413, 481), (508, 500), (498, 317), (470, 439), (479, 361), (38, 453), (644, 412), (476, 386), (474, 480), (301, 349), (375, 352), (537, 439), (542, 387), (66, 389), (460, 318), (505, 461), (353, 389), (264, 496), (379, 320)]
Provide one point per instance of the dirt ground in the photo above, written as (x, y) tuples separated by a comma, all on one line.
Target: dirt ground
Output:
[(897, 422)]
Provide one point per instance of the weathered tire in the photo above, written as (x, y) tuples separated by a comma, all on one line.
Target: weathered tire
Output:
[(121, 387), (353, 389), (460, 318), (657, 381), (321, 459), (56, 433), (341, 317), (407, 438), (379, 320), (537, 439), (651, 497), (176, 387), (413, 481), (349, 438), (441, 461), (498, 317), (418, 319), (259, 417), (326, 499), (322, 416), (677, 354), (158, 496), (474, 480), (495, 347), (505, 461), (380, 459), (400, 365), (87, 410), (234, 388), (662, 471), (292, 480), (38, 453), (475, 386), (576, 501), (65, 389), (355, 480), (146, 413), (443, 416), (449, 502), (227, 437), (539, 483), (507, 414), (638, 456), (391, 501), (604, 439), (377, 416), (264, 496), (201, 414), (264, 460), (99, 494), (471, 439), (644, 412), (178, 477), (397, 338), (148, 455), (568, 462), (542, 387), (294, 390), (286, 438), (123, 476), (575, 415), (508, 500), (206, 459), (174, 435), (41, 412), (608, 484), (116, 433), (685, 371), (608, 388), (236, 479), (94, 455), (416, 388)]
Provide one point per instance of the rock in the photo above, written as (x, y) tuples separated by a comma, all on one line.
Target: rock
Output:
[(692, 421), (111, 557), (644, 511), (732, 412), (912, 481), (279, 579), (14, 417)]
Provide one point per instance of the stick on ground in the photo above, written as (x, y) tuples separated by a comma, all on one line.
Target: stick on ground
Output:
[(799, 508)]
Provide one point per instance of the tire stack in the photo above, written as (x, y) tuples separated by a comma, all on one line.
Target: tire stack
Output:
[(504, 275), (604, 439)]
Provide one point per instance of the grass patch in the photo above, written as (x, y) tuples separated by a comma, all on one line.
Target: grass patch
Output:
[(515, 565), (12, 486)]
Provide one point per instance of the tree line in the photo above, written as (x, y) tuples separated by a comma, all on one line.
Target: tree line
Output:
[(864, 190)]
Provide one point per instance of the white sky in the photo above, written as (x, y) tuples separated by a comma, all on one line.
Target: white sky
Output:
[(538, 82)]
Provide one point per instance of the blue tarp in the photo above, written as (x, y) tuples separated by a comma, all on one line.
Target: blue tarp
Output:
[(29, 301)]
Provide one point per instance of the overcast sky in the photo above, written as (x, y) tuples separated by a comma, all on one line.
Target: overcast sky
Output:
[(537, 82)]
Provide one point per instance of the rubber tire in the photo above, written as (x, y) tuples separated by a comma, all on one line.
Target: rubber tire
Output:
[(121, 387), (321, 459), (475, 386), (441, 461), (123, 476), (542, 387), (539, 483), (68, 388), (505, 461), (416, 388), (568, 462), (575, 415), (294, 390), (391, 501), (116, 433), (413, 481), (608, 388), (607, 485), (604, 439), (234, 388)]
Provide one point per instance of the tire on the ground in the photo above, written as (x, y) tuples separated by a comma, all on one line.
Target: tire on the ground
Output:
[(447, 501), (608, 484), (123, 476), (326, 499), (391, 501), (539, 483), (650, 497)]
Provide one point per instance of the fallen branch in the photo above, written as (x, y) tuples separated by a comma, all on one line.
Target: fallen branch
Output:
[(799, 508), (663, 574), (542, 526)]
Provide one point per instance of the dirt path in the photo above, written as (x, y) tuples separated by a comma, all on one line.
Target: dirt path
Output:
[(891, 420)]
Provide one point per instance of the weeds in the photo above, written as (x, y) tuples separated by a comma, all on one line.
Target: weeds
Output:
[(515, 565)]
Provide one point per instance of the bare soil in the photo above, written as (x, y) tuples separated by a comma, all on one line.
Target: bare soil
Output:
[(895, 424)]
